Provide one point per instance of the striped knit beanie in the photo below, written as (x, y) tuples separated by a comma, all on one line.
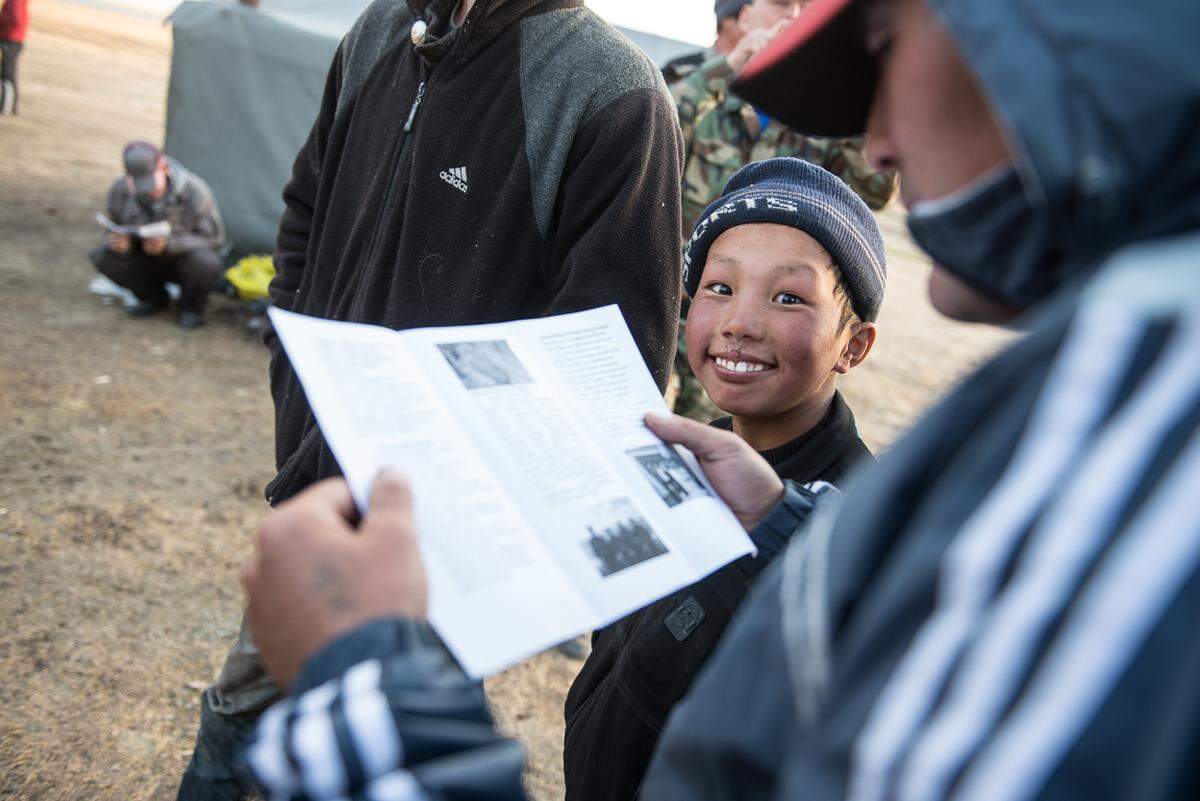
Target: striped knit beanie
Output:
[(790, 191)]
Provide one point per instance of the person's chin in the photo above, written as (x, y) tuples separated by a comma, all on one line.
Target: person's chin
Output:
[(738, 405), (953, 298), (740, 399)]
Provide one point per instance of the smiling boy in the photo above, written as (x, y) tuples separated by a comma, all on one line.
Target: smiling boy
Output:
[(772, 328), (786, 274)]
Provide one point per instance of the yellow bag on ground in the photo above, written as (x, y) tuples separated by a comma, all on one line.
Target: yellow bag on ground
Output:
[(251, 276)]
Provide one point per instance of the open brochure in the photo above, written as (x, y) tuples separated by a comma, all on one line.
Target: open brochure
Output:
[(154, 230), (545, 507)]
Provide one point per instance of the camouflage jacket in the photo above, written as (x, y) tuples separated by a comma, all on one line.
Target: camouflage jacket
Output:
[(722, 133), (679, 68)]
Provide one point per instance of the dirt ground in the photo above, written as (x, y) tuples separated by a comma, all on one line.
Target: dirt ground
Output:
[(133, 454)]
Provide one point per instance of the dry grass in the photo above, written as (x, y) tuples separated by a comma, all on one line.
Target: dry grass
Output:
[(128, 501)]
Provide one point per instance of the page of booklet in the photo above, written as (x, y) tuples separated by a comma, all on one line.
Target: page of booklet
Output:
[(545, 507), (154, 230)]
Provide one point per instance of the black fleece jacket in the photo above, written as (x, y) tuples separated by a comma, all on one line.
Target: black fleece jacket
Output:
[(524, 164), (642, 665)]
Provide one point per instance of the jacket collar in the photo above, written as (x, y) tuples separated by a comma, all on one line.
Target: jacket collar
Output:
[(810, 455), (486, 20)]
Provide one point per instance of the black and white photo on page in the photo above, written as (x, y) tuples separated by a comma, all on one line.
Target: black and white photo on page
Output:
[(619, 537), (485, 364), (671, 478)]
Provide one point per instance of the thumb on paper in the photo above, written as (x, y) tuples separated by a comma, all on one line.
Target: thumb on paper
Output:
[(390, 503), (697, 437)]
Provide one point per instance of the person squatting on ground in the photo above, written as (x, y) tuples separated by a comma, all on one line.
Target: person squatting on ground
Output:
[(1004, 606), (722, 133), (156, 188), (14, 23), (786, 272), (470, 163)]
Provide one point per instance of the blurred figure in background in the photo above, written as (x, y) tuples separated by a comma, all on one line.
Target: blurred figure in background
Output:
[(729, 33), (157, 192), (14, 21), (722, 133)]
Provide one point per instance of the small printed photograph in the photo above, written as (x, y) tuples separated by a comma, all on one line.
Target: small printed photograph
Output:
[(485, 364), (671, 478), (619, 538)]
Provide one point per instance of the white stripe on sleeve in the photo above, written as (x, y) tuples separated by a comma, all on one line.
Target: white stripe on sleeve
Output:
[(1077, 395), (369, 719), (398, 786), (318, 698), (1103, 635), (315, 747), (362, 677), (1064, 544), (266, 754)]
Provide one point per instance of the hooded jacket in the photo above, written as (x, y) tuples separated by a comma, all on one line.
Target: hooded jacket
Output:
[(524, 164), (1005, 606), (1101, 149)]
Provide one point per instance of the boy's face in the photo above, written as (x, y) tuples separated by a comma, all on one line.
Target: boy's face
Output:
[(764, 334)]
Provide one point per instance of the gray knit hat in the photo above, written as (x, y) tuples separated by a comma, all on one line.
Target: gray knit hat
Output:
[(790, 191)]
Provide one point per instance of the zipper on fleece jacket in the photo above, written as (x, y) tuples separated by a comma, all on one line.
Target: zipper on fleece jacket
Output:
[(412, 112), (401, 153), (401, 150), (284, 476)]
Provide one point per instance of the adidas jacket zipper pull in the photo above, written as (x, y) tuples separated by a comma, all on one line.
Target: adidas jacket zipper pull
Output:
[(412, 112)]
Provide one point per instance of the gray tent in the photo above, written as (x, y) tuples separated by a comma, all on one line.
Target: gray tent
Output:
[(245, 88)]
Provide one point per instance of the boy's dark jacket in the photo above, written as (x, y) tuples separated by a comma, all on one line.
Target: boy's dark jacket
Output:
[(640, 667), (540, 175)]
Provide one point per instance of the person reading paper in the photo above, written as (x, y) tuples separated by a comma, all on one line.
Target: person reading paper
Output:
[(163, 226)]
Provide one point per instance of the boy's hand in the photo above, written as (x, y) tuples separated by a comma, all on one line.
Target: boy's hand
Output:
[(740, 476), (315, 577)]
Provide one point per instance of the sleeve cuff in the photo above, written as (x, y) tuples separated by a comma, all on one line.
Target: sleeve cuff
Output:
[(773, 534), (376, 639)]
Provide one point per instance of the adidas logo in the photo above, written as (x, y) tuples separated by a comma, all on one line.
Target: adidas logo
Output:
[(456, 177)]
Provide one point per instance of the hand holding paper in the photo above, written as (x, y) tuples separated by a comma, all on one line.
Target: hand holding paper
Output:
[(154, 230), (314, 577), (544, 507), (741, 477)]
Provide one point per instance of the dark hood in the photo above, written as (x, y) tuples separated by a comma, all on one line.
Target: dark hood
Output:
[(1101, 99)]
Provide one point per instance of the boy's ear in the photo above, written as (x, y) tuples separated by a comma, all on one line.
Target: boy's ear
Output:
[(862, 339)]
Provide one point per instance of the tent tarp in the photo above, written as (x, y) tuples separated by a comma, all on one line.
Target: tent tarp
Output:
[(244, 91)]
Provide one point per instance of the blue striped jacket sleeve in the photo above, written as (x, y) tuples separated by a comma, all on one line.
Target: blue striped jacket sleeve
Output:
[(384, 713)]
